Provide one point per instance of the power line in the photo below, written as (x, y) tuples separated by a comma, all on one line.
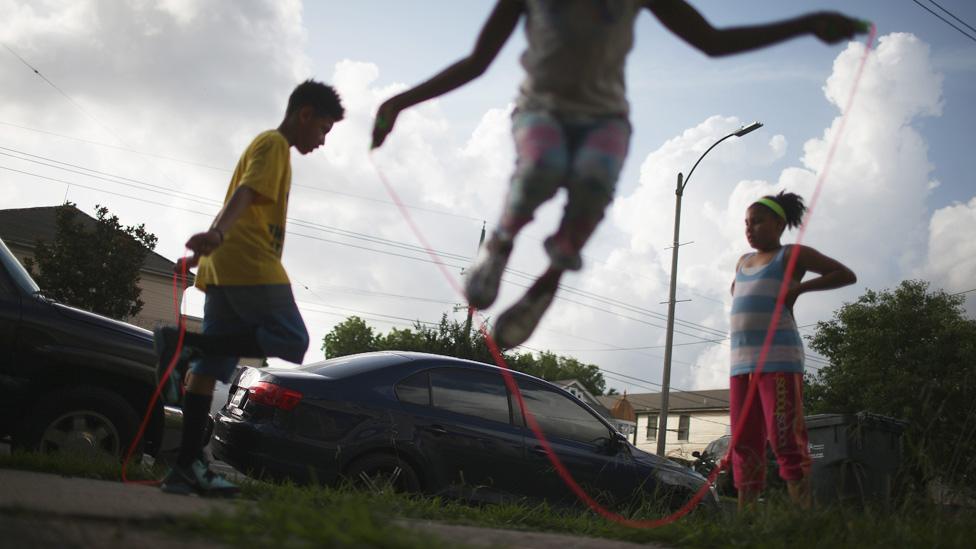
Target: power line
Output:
[(341, 232), (59, 90), (142, 185), (952, 15), (117, 147), (946, 21), (640, 348)]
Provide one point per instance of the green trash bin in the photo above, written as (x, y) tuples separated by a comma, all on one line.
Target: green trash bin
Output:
[(854, 457)]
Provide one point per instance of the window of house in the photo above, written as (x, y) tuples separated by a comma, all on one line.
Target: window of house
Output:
[(480, 394), (683, 423), (651, 433)]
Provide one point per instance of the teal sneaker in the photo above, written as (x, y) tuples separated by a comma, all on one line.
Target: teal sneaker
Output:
[(198, 479), (516, 325), (482, 280)]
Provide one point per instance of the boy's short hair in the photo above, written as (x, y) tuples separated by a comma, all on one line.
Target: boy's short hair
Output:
[(321, 97)]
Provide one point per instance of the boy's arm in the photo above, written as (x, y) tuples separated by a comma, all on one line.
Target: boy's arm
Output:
[(687, 23), (205, 243), (833, 273), (496, 31)]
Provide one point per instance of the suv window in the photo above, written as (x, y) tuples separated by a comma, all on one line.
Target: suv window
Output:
[(718, 447), (562, 417), (472, 393), (415, 389)]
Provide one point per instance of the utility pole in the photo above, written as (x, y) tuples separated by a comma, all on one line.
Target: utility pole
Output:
[(662, 430), (669, 341), (481, 242)]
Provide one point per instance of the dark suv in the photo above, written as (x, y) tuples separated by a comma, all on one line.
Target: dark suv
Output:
[(71, 380)]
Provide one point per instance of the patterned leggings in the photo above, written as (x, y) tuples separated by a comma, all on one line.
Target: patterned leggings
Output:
[(776, 415), (553, 151)]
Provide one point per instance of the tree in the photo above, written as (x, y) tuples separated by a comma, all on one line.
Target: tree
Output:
[(452, 338), (350, 336), (95, 267), (911, 354), (552, 367)]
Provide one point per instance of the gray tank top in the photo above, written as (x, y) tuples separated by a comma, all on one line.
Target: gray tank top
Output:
[(575, 59)]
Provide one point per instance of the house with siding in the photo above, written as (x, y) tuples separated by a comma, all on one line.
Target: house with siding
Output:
[(695, 418), (21, 229)]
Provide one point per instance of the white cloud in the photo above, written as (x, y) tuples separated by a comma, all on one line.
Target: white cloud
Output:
[(951, 260), (138, 67), (871, 214)]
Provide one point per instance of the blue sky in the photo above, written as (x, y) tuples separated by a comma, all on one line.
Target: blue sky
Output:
[(194, 81)]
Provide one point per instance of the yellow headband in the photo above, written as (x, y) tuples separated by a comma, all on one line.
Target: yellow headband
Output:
[(772, 205)]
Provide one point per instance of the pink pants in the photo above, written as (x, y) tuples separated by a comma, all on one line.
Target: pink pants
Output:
[(776, 415)]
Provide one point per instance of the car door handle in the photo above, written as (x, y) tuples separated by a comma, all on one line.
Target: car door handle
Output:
[(539, 451), (436, 429)]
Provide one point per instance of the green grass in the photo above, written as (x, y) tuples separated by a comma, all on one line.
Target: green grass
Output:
[(77, 466), (286, 516)]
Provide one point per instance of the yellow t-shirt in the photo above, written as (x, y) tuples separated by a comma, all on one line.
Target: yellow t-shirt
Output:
[(251, 251)]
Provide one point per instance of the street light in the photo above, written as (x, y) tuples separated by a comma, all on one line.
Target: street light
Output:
[(666, 382)]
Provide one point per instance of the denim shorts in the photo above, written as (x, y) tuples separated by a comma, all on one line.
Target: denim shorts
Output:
[(268, 308)]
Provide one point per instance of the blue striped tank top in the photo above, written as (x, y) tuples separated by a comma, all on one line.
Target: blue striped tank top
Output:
[(753, 301)]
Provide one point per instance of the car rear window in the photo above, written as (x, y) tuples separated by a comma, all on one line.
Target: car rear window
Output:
[(479, 394), (415, 389)]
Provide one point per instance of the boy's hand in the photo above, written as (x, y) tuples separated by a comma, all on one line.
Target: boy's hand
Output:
[(386, 116), (204, 243), (832, 28), (183, 266)]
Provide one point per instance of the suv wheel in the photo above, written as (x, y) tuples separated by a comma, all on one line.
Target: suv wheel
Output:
[(83, 421)]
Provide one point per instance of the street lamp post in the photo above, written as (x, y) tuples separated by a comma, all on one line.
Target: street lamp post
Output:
[(666, 382)]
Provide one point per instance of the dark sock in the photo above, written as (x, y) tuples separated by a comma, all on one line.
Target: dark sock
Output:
[(196, 409), (238, 344)]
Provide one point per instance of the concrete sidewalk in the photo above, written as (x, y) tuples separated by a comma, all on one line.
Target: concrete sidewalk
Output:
[(48, 511), (97, 499)]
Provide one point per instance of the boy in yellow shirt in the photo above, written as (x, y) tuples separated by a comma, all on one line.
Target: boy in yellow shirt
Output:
[(249, 310)]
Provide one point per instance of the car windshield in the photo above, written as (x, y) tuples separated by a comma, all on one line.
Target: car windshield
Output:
[(718, 447), (17, 271)]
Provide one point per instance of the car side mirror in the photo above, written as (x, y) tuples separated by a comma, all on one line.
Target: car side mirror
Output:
[(696, 454), (616, 442)]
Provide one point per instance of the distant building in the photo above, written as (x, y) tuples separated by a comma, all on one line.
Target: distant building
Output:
[(695, 418)]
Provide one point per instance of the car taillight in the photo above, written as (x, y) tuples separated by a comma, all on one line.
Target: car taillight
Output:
[(273, 395)]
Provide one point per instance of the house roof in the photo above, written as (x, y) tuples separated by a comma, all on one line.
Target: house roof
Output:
[(595, 402), (26, 226), (711, 399), (623, 409)]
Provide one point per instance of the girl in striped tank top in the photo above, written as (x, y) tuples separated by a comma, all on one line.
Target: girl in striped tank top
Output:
[(776, 415)]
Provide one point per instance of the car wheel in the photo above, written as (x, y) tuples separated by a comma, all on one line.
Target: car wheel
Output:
[(381, 472), (83, 421)]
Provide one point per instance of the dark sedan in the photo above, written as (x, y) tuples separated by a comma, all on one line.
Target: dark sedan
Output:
[(431, 424)]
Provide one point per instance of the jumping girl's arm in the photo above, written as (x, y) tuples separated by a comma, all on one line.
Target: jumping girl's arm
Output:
[(496, 31), (687, 23), (205, 243), (833, 273)]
